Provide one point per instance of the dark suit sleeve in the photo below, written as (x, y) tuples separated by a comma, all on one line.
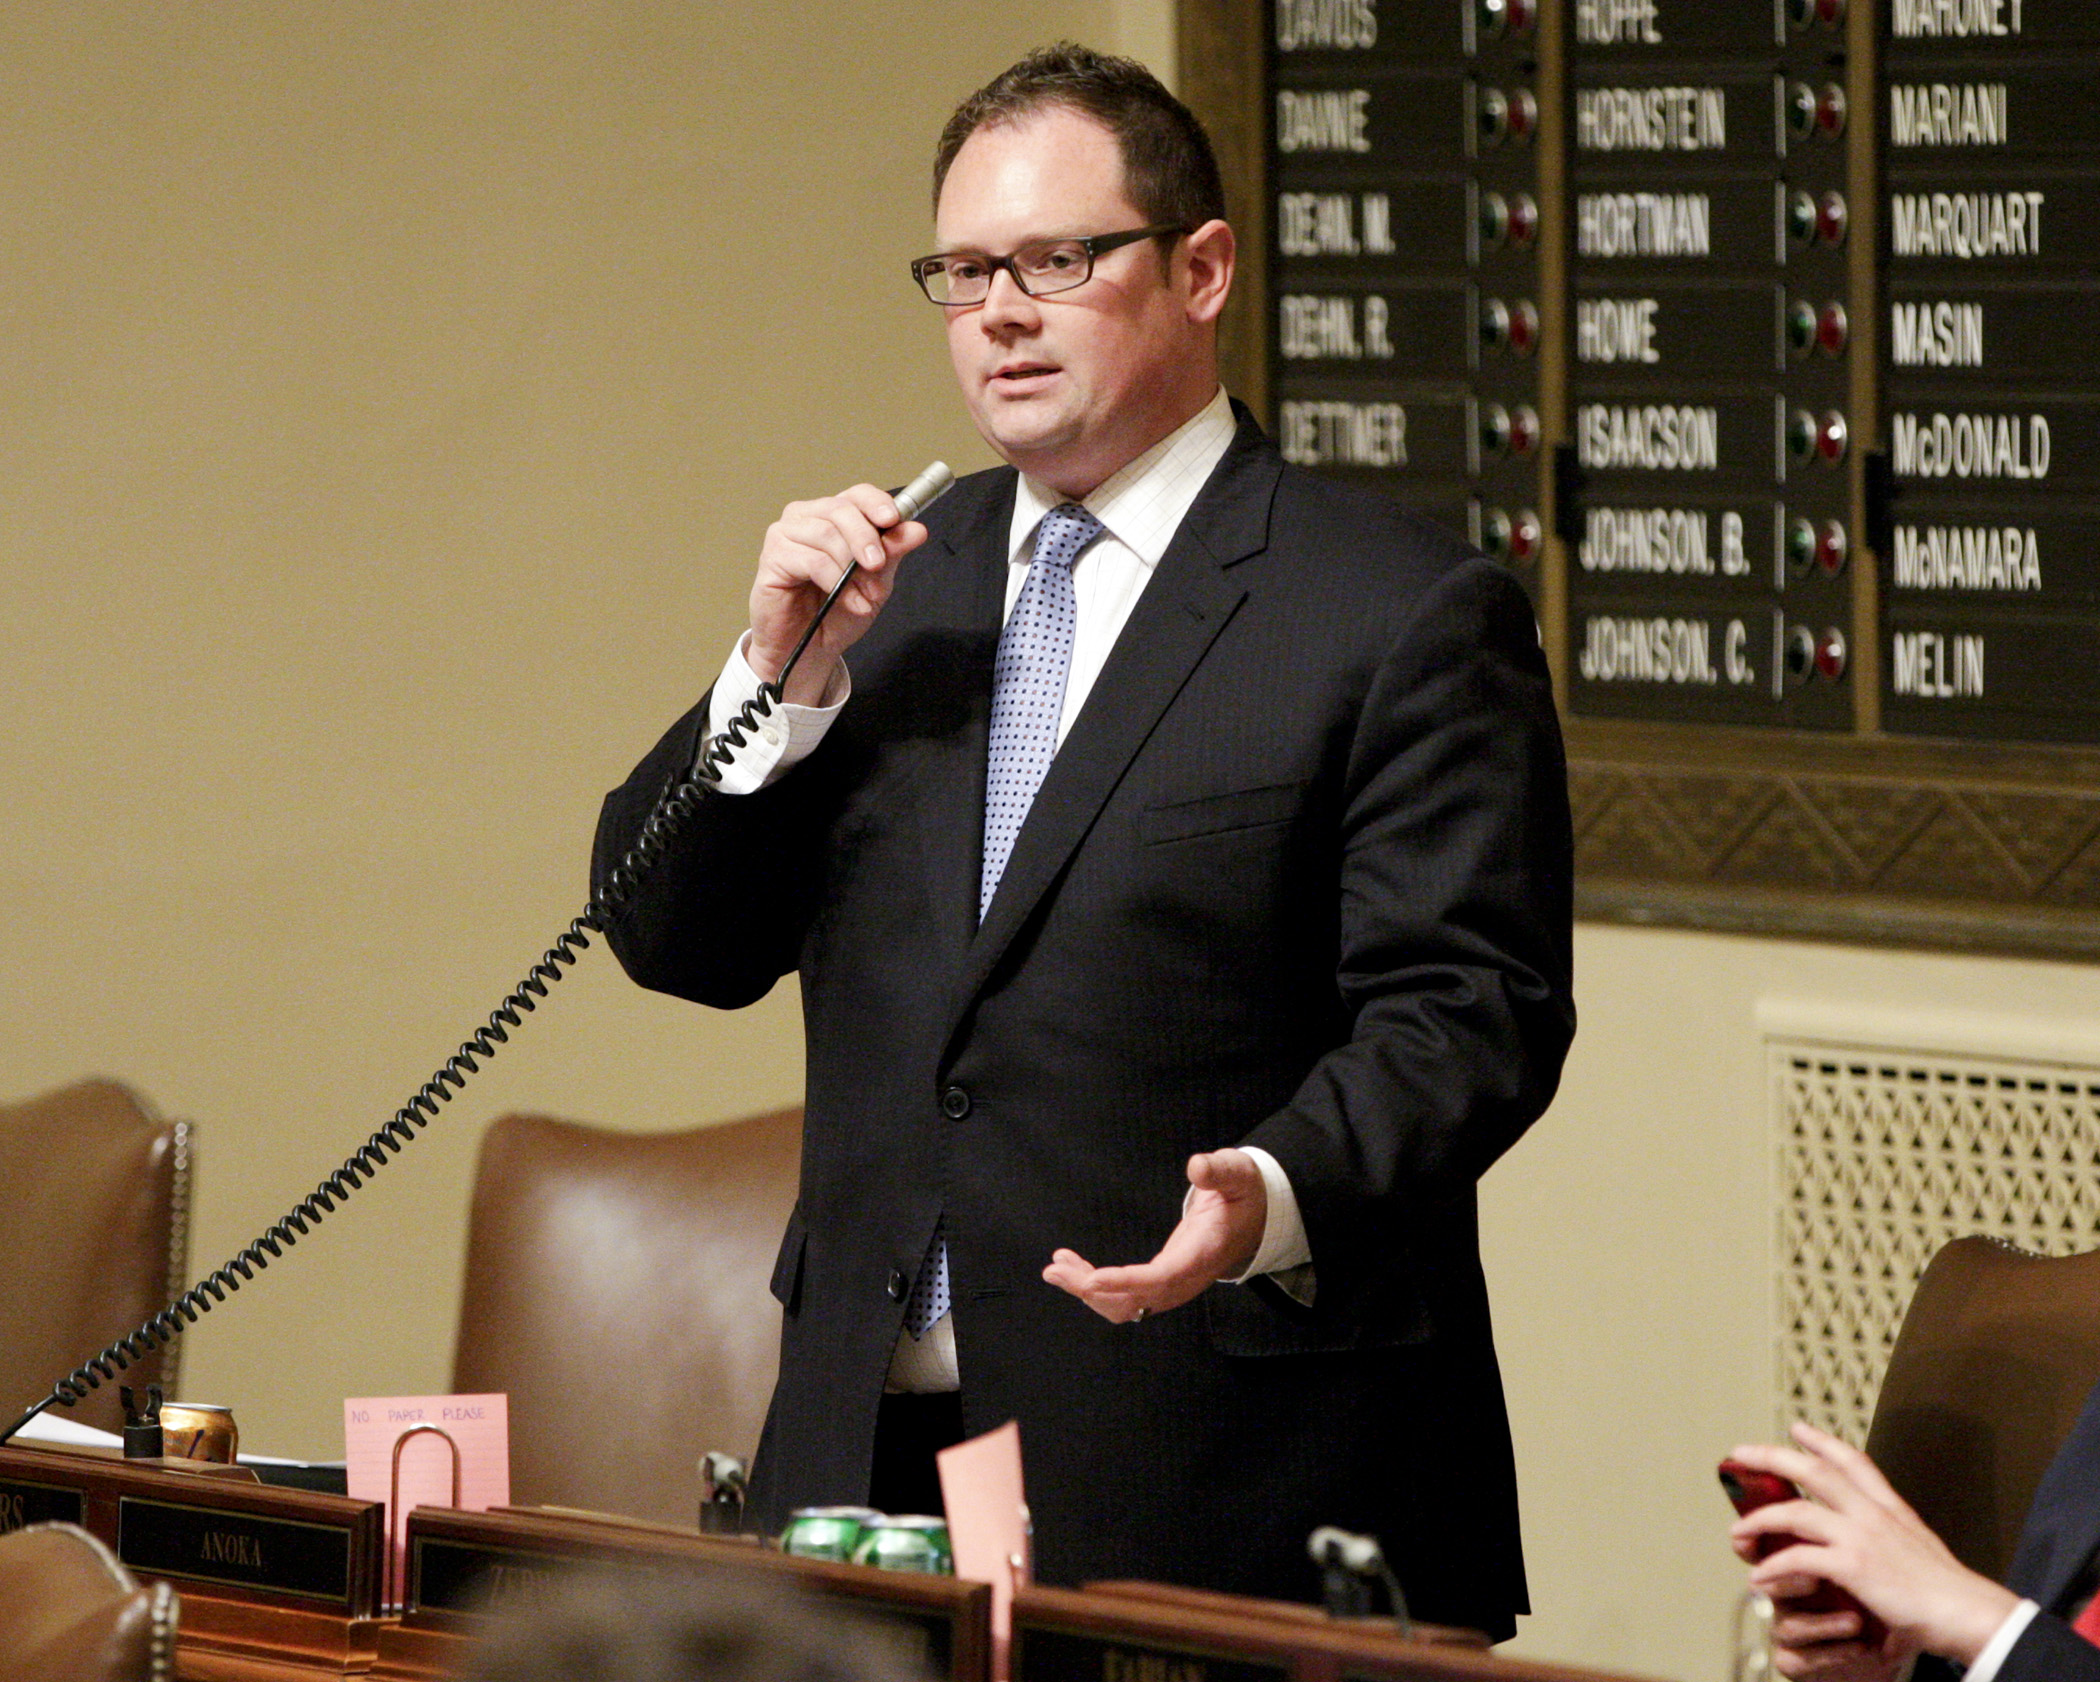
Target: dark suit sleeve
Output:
[(2050, 1650), (1455, 881), (720, 916)]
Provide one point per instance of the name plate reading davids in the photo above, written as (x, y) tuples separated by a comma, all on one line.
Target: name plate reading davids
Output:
[(23, 1504), (1058, 1655), (241, 1550)]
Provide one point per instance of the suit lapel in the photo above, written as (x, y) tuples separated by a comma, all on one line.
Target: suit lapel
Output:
[(1184, 607), (2063, 1525), (950, 806)]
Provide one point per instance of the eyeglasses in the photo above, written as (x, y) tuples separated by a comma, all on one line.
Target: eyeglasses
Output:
[(1040, 267)]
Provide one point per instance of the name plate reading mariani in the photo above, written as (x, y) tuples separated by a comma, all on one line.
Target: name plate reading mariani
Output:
[(23, 1503), (238, 1549), (1062, 1655)]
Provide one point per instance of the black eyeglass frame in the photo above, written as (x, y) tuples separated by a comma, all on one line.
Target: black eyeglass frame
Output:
[(1094, 245)]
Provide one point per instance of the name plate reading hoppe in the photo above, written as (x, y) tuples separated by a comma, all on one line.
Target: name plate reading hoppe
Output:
[(1059, 1655), (23, 1504), (238, 1549)]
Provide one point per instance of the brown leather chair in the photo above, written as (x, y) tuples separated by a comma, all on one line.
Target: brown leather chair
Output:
[(94, 1208), (1997, 1353), (70, 1613), (616, 1288)]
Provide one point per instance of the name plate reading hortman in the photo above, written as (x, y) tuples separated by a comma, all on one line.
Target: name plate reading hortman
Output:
[(241, 1550)]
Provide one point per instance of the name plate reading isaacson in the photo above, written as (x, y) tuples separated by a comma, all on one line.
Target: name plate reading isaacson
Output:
[(246, 1550)]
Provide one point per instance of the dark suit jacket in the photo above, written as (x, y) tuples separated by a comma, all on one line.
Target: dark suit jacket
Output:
[(1298, 877), (2057, 1543)]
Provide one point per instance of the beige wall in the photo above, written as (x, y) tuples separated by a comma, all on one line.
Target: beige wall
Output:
[(391, 397)]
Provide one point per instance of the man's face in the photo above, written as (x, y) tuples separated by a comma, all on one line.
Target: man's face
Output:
[(1070, 387)]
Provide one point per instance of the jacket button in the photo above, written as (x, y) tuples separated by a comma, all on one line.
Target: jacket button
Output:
[(955, 1103), (898, 1284)]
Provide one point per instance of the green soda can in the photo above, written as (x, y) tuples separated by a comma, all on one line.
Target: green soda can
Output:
[(827, 1532), (912, 1542)]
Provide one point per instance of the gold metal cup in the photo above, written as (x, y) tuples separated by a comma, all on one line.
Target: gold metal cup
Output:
[(199, 1431)]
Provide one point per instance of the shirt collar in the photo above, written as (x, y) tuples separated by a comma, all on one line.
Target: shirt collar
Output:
[(1143, 503)]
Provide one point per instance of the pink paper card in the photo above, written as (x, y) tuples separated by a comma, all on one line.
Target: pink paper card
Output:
[(427, 1430), (988, 1524)]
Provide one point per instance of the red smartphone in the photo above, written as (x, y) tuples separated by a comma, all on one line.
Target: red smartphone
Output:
[(1749, 1489)]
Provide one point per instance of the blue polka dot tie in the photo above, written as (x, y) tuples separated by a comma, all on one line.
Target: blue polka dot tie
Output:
[(1028, 699)]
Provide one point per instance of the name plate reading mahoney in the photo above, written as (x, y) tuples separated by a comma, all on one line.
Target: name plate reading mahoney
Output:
[(247, 1550)]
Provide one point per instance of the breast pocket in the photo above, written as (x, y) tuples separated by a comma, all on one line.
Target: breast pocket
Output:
[(1221, 814)]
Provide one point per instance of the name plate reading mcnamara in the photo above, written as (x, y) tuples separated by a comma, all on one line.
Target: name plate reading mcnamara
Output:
[(246, 1550), (23, 1503)]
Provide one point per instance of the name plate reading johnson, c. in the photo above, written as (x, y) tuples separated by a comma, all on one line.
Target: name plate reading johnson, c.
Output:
[(238, 1549)]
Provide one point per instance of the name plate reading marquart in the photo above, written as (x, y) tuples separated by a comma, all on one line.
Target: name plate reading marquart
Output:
[(238, 1549), (23, 1503), (2009, 221), (1059, 1655)]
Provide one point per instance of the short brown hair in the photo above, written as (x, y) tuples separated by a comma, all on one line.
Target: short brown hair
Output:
[(1169, 170)]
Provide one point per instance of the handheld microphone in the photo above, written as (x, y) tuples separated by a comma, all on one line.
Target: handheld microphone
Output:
[(921, 494)]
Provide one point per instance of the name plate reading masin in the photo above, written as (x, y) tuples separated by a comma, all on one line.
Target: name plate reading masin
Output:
[(240, 1550), (1055, 1655)]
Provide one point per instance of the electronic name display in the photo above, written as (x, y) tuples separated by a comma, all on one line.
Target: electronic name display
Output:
[(1990, 377), (1704, 493), (1403, 265)]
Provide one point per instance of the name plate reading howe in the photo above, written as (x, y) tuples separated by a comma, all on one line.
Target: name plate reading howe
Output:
[(23, 1503), (247, 1550), (1063, 1655)]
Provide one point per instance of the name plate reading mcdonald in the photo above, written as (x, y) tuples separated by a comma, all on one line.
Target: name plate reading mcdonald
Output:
[(23, 1503), (1062, 1655), (247, 1550)]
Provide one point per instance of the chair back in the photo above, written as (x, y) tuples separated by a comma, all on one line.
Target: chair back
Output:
[(94, 1205), (1997, 1353), (617, 1290), (70, 1613)]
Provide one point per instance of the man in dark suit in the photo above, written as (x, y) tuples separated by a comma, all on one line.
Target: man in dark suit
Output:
[(1860, 1534), (1181, 872)]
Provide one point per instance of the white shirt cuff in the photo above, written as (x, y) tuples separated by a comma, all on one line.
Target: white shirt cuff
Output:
[(1993, 1655), (782, 740), (1283, 1251)]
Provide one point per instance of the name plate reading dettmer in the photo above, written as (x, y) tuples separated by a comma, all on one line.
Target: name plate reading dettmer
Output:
[(464, 1565)]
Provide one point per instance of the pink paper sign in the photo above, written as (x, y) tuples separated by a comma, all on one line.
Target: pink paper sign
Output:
[(428, 1430), (988, 1523)]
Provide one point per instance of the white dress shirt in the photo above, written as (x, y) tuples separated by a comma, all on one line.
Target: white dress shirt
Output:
[(1985, 1669), (1140, 508)]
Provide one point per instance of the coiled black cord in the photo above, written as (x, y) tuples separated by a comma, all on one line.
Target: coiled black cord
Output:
[(673, 807)]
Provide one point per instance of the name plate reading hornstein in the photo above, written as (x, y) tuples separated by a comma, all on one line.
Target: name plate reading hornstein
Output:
[(23, 1503), (1675, 119), (246, 1550), (1062, 1655)]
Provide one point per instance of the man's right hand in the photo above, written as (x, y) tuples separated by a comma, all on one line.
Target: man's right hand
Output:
[(806, 551)]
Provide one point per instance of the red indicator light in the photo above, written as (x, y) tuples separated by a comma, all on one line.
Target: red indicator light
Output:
[(1830, 653), (1523, 327), (1523, 219), (1830, 112), (1831, 437), (1833, 330), (1831, 218), (1831, 546), (1523, 430), (1523, 114), (1526, 534), (1830, 13)]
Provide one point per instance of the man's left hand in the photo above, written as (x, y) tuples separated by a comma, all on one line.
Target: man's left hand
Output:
[(1220, 1232)]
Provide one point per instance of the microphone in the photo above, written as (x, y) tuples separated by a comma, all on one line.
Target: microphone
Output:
[(1351, 1568), (921, 494)]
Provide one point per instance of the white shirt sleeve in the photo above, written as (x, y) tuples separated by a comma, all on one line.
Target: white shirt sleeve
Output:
[(1284, 1251), (1985, 1669), (784, 739)]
